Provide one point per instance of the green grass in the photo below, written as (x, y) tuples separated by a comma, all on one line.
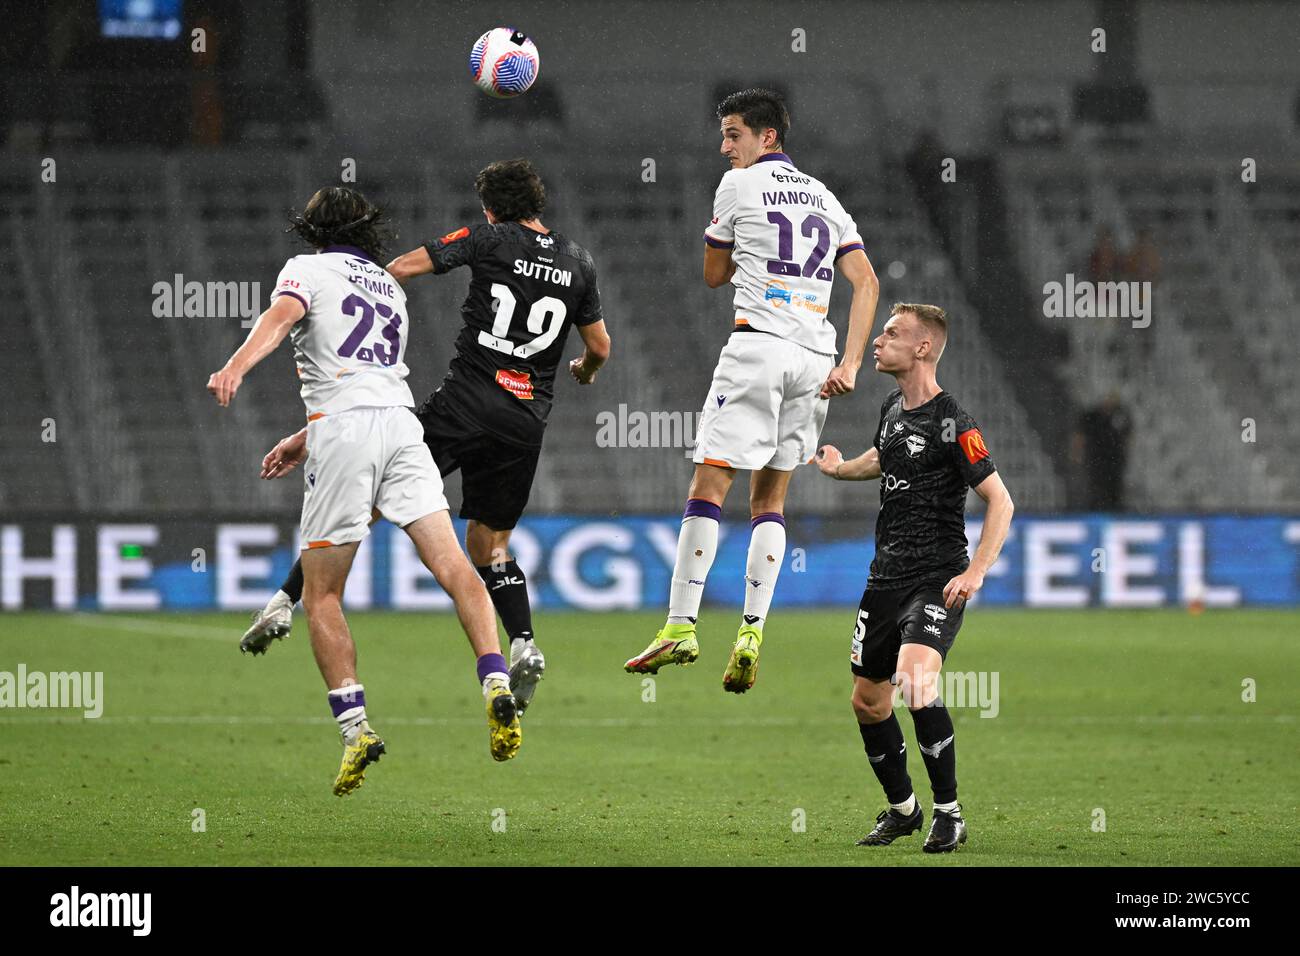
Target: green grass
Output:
[(1138, 713)]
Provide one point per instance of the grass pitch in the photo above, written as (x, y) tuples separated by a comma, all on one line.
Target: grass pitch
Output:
[(1138, 715)]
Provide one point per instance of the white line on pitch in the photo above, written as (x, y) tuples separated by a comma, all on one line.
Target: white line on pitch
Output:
[(267, 719)]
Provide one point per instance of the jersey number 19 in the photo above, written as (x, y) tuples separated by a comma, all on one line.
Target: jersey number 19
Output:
[(545, 319)]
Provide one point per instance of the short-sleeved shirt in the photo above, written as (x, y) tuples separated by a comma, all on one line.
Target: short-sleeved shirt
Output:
[(526, 290), (785, 231), (929, 457), (351, 344)]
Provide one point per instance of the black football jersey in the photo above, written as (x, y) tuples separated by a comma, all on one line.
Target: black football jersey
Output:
[(526, 290), (929, 457)]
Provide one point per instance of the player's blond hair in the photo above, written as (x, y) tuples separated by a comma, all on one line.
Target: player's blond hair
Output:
[(932, 317)]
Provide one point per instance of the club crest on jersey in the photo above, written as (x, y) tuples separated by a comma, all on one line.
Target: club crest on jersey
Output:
[(915, 444), (935, 613), (518, 384), (460, 233)]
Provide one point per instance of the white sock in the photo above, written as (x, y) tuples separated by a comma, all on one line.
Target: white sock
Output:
[(697, 545), (907, 807), (946, 807), (766, 553), (352, 720)]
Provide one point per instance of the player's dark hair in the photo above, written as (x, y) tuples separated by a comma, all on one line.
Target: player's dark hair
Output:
[(759, 110), (338, 216), (511, 190)]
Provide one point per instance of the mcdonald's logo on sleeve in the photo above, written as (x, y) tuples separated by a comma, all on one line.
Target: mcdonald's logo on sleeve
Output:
[(972, 443)]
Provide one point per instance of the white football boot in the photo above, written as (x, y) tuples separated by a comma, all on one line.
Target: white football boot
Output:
[(269, 624)]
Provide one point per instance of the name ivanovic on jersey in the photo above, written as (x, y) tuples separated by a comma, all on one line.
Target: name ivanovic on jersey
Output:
[(782, 225)]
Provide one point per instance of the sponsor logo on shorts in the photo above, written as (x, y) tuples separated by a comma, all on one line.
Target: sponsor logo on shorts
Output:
[(518, 384), (931, 629), (935, 613)]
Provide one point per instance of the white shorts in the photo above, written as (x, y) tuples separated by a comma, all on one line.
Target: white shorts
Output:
[(763, 409), (362, 459)]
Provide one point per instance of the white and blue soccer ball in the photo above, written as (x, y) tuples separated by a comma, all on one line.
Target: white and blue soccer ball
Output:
[(504, 62)]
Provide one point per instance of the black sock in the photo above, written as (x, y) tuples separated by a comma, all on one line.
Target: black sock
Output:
[(888, 756), (935, 735), (292, 585), (509, 592)]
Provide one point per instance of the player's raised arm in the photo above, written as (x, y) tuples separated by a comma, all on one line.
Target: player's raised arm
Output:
[(863, 468), (414, 263), (856, 268), (267, 333), (997, 522)]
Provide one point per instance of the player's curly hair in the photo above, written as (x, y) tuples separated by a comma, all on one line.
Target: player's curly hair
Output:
[(339, 216), (511, 190), (758, 109)]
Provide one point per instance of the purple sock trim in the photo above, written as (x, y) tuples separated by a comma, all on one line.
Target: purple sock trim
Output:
[(340, 701), (767, 516), (699, 508), (491, 664)]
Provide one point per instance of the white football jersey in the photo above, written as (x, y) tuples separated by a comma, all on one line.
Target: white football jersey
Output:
[(785, 231), (350, 345)]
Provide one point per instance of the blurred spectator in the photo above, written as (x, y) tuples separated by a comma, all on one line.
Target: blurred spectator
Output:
[(207, 112), (1142, 263), (1100, 447), (1103, 264)]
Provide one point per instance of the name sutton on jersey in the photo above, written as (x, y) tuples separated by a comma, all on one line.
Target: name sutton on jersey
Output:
[(538, 270)]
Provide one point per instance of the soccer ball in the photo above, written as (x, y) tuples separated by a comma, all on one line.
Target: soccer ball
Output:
[(504, 62)]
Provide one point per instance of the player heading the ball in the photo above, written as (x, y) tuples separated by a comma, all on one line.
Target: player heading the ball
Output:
[(777, 236), (366, 454)]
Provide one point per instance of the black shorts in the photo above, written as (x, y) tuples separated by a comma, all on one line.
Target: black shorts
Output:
[(496, 475), (889, 619)]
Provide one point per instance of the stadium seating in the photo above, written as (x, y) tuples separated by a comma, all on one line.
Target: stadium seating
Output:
[(129, 221), (1214, 367)]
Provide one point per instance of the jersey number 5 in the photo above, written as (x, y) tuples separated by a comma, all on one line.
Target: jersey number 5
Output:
[(783, 266), (545, 319)]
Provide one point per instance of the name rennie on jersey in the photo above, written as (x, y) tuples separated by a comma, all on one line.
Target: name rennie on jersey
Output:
[(371, 277), (788, 198), (536, 270)]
